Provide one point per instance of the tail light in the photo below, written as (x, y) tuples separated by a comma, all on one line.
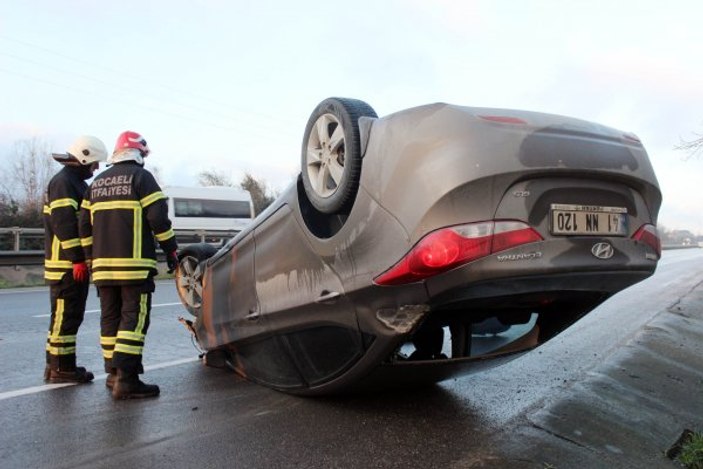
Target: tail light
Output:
[(450, 247), (648, 235)]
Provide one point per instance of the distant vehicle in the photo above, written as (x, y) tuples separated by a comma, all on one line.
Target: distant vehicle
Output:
[(432, 242), (195, 210)]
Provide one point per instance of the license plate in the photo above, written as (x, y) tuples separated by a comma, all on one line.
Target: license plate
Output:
[(588, 220)]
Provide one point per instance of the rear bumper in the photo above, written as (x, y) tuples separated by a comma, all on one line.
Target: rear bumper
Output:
[(554, 265), (507, 293)]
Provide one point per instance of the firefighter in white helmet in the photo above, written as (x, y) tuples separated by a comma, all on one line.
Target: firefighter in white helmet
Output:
[(124, 215), (65, 268)]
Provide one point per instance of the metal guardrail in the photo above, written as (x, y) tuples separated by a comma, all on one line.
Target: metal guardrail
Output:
[(681, 246), (18, 256), (21, 258), (17, 233), (9, 258)]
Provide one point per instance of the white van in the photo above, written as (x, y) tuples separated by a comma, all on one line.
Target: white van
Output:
[(198, 210)]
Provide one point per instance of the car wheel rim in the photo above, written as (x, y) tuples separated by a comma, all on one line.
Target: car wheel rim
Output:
[(325, 155), (189, 282)]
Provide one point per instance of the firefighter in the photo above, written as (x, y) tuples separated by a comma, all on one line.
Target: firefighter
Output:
[(65, 268), (123, 215)]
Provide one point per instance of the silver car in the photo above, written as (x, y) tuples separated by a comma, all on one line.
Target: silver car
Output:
[(432, 242)]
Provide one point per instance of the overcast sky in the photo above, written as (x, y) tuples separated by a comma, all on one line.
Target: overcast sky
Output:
[(229, 85)]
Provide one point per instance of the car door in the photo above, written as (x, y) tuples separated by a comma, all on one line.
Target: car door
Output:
[(315, 335), (230, 306)]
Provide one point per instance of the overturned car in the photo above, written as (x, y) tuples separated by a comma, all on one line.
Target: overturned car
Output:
[(429, 243)]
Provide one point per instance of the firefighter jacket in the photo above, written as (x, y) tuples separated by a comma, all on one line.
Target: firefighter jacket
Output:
[(62, 201), (123, 212)]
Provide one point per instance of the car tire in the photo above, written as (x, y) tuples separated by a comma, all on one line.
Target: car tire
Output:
[(189, 275), (331, 154)]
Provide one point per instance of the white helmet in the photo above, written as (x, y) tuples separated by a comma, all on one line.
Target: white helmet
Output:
[(85, 150)]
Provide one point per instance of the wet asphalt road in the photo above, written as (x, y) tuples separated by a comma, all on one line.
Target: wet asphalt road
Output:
[(211, 418)]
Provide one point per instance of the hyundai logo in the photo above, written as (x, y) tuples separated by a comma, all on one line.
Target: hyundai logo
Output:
[(602, 250)]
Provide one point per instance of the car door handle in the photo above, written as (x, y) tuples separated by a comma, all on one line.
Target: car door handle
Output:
[(326, 296), (253, 315)]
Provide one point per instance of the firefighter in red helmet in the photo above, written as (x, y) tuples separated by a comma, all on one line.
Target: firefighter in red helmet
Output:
[(65, 269), (123, 216)]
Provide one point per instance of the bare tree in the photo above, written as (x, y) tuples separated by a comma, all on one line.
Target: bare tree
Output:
[(8, 212), (692, 147), (214, 178), (30, 169), (260, 195)]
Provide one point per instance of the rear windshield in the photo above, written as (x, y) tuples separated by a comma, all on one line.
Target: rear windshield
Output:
[(211, 208)]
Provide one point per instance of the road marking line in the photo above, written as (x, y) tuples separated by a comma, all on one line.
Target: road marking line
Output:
[(50, 387), (97, 310), (33, 390), (158, 366)]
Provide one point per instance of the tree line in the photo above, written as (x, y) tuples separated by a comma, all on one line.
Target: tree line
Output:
[(30, 167)]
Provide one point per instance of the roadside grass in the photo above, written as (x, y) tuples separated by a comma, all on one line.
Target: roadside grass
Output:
[(691, 455), (22, 284)]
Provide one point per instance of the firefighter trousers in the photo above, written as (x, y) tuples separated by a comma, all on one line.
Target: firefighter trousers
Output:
[(124, 320), (67, 299)]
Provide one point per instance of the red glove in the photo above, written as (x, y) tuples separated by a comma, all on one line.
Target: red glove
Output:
[(80, 271), (172, 261)]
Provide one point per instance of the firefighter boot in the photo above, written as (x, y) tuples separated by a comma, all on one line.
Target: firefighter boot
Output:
[(111, 377), (77, 375), (129, 386)]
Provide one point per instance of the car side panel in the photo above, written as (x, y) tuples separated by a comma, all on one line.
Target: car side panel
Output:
[(303, 303)]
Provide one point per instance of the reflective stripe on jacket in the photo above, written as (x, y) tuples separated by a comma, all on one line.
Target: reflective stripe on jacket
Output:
[(62, 200), (123, 215)]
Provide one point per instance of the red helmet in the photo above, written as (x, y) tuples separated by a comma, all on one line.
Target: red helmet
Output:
[(129, 139)]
